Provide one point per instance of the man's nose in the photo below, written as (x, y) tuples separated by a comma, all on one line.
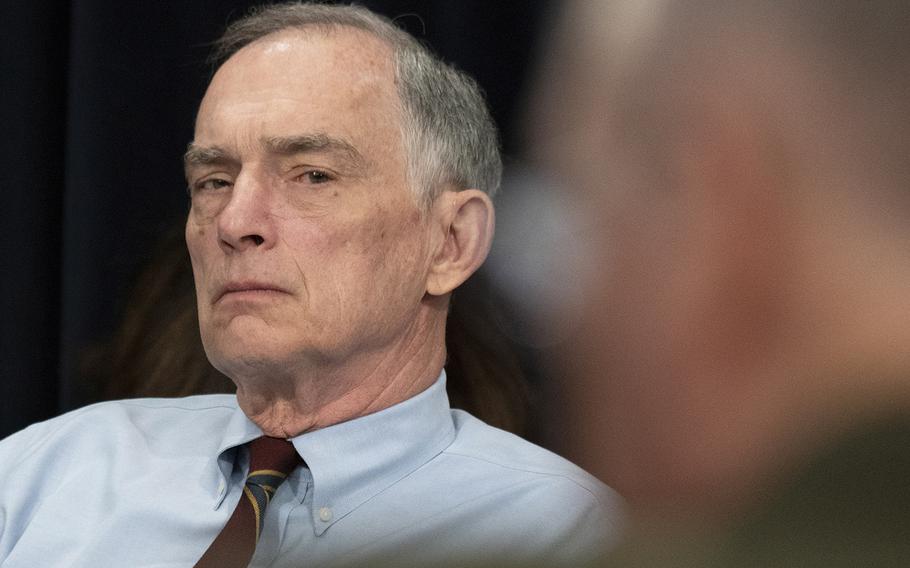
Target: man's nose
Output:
[(247, 222)]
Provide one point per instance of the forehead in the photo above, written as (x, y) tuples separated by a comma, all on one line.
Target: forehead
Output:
[(313, 79)]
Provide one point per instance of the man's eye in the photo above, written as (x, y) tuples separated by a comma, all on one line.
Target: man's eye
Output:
[(315, 176), (212, 184)]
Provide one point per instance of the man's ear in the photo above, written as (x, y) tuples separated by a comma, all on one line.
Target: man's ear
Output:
[(467, 223)]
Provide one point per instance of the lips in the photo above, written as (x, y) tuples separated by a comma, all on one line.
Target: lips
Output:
[(247, 286)]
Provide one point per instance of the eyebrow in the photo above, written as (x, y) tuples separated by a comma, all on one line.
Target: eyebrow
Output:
[(318, 142), (202, 155), (283, 145)]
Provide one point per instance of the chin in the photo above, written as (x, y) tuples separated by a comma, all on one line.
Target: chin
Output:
[(236, 354), (237, 364), (239, 357)]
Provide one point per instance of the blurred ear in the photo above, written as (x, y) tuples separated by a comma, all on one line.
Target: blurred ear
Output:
[(740, 234), (467, 223)]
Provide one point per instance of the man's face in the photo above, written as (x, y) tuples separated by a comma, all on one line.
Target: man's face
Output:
[(306, 243)]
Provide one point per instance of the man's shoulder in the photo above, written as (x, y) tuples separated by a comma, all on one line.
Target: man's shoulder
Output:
[(121, 422), (138, 410), (507, 455), (521, 489)]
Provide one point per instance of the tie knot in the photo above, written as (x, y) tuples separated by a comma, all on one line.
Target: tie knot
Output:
[(273, 454), (271, 460)]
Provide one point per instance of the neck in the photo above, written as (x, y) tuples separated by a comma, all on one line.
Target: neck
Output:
[(323, 393)]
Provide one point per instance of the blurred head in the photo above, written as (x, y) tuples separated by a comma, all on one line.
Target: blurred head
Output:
[(745, 166), (314, 238)]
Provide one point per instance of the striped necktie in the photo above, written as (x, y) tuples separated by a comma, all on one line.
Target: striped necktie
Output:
[(271, 461)]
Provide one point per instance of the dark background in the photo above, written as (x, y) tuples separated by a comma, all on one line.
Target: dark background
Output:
[(97, 100)]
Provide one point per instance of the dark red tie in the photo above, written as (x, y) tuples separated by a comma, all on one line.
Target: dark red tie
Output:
[(271, 461)]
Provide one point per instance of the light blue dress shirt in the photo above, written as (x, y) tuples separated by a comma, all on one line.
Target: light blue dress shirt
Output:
[(151, 482)]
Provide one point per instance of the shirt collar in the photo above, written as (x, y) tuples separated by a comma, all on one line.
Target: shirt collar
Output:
[(353, 461), (238, 431)]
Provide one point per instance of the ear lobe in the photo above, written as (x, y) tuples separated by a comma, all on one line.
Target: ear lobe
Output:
[(468, 221)]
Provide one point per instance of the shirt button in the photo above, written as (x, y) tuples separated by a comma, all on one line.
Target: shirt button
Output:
[(325, 514)]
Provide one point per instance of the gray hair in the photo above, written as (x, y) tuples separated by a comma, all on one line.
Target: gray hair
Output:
[(449, 135)]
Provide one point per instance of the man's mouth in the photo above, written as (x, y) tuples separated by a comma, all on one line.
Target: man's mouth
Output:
[(249, 290)]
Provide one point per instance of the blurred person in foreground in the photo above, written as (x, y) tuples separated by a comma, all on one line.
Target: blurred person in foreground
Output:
[(341, 180), (741, 372)]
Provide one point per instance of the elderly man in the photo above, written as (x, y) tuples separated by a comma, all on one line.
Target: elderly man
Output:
[(744, 358), (340, 179)]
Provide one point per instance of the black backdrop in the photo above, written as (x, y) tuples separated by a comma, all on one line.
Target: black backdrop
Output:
[(97, 100)]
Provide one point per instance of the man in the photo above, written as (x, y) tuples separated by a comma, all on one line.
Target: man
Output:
[(743, 365), (340, 179)]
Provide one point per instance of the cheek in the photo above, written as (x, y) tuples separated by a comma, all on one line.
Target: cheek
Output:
[(196, 237), (356, 250), (203, 259), (399, 243), (206, 206), (389, 251), (381, 237)]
